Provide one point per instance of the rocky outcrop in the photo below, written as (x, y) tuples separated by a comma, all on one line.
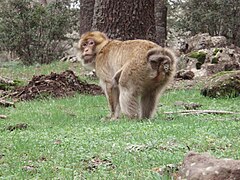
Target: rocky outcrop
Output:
[(203, 41), (204, 166), (205, 55), (223, 84)]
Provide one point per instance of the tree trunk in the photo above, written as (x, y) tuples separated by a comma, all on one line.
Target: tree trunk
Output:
[(86, 15), (125, 19), (161, 21)]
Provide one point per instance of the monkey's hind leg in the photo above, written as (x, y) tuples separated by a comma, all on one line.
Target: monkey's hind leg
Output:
[(129, 103)]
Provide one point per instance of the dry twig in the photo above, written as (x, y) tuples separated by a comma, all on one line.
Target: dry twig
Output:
[(3, 116), (194, 112), (6, 103)]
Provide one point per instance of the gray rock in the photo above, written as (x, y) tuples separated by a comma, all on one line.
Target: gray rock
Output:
[(206, 167), (223, 84)]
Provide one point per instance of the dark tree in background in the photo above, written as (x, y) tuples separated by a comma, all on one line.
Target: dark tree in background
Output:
[(125, 19), (86, 15), (161, 21)]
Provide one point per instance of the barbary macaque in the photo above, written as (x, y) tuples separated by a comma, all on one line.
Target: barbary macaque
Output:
[(132, 73)]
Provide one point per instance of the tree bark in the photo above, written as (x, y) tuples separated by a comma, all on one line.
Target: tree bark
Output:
[(161, 21), (125, 19), (86, 15)]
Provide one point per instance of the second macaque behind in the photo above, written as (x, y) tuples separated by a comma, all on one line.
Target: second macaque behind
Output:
[(132, 73)]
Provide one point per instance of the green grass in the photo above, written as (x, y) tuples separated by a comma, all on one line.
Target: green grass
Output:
[(65, 138), (18, 71)]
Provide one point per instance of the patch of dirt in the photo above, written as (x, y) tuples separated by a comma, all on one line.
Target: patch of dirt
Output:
[(95, 162), (171, 170), (55, 85), (195, 83), (188, 106), (20, 126), (30, 168)]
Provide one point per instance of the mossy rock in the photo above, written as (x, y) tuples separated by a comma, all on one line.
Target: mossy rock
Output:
[(214, 60), (216, 51), (199, 55), (223, 84)]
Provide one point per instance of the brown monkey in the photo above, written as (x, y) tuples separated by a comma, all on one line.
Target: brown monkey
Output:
[(132, 73)]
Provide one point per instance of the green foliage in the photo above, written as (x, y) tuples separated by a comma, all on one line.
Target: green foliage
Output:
[(219, 17), (34, 31)]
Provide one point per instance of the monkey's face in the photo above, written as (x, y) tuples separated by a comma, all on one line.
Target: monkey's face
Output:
[(87, 52), (160, 63)]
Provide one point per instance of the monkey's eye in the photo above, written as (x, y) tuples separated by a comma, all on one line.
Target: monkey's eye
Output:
[(84, 45), (91, 42)]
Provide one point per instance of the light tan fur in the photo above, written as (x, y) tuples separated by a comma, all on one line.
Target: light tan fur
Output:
[(132, 73)]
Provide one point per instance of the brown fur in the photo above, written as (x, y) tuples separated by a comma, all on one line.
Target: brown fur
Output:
[(132, 73)]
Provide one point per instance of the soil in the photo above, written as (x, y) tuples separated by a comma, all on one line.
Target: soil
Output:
[(20, 126), (95, 162), (55, 85)]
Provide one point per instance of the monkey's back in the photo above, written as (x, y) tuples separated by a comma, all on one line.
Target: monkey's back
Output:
[(116, 54)]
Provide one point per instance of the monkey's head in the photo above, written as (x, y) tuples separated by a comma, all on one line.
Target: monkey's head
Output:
[(90, 44), (162, 59)]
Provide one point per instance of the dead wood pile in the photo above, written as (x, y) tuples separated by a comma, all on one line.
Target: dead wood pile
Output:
[(55, 85)]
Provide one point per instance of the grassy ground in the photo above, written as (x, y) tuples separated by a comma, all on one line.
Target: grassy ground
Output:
[(16, 70), (66, 138)]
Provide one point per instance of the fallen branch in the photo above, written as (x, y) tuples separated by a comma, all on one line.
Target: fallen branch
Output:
[(6, 103), (194, 112), (3, 116)]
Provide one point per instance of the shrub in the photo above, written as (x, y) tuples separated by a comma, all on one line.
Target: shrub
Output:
[(34, 32)]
